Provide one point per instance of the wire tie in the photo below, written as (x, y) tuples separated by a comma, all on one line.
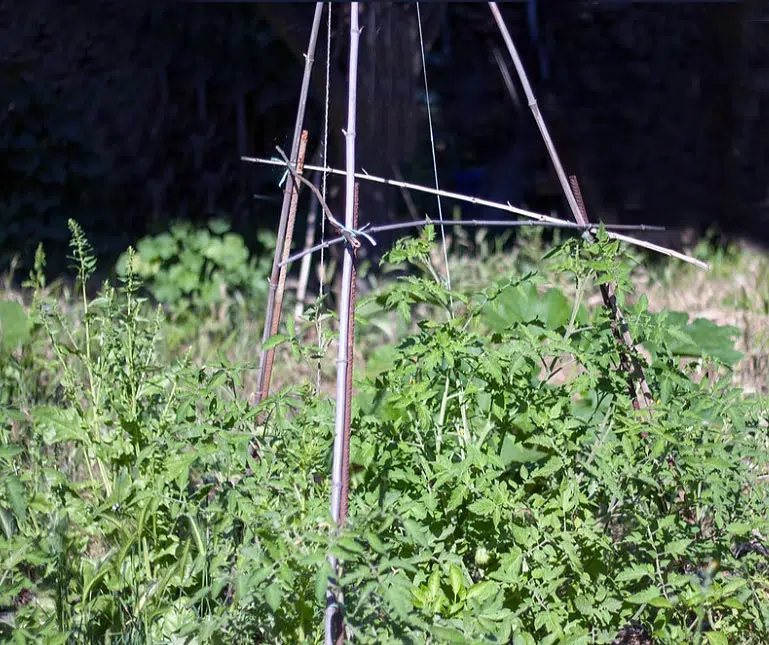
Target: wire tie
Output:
[(285, 172), (353, 234)]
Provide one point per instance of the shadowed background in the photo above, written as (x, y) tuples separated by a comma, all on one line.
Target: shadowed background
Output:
[(126, 115)]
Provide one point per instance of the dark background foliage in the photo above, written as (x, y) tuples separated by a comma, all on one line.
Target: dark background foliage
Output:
[(125, 115)]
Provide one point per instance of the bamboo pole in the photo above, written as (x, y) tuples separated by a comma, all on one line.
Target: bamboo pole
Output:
[(473, 223), (632, 367), (539, 217), (334, 627), (304, 270), (270, 313)]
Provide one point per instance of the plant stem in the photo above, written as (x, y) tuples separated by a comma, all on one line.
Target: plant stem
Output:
[(442, 417)]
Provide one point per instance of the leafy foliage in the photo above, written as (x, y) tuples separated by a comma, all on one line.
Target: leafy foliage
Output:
[(192, 270), (503, 488)]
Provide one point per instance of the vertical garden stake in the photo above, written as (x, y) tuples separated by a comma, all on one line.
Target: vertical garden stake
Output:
[(334, 626), (629, 363), (577, 211), (345, 495), (309, 238), (269, 353), (262, 385)]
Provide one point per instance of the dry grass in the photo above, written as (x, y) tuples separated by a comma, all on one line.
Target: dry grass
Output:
[(734, 292)]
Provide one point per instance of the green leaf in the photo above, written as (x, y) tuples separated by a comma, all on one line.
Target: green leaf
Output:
[(274, 595), (416, 532), (456, 580), (10, 451), (551, 466), (482, 590), (218, 226), (321, 582), (523, 638), (16, 496), (739, 528), (677, 547), (556, 310), (400, 599), (645, 597), (274, 341), (636, 572), (661, 602), (448, 634), (434, 585), (483, 507), (734, 603), (177, 467), (14, 325), (716, 638), (516, 453)]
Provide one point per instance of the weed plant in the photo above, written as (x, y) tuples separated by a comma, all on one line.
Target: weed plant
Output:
[(504, 490)]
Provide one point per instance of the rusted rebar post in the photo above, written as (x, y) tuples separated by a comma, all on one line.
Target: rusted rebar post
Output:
[(345, 495), (269, 353), (629, 362), (574, 199)]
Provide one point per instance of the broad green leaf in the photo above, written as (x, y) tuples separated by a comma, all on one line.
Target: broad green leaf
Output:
[(448, 634), (274, 341), (178, 467), (400, 599), (17, 497), (645, 597), (661, 602), (556, 309), (677, 547), (484, 507), (739, 528), (734, 603), (322, 576), (434, 585), (482, 590), (274, 595), (9, 451), (456, 580), (716, 638), (14, 325), (523, 638), (516, 453), (551, 466), (636, 572)]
